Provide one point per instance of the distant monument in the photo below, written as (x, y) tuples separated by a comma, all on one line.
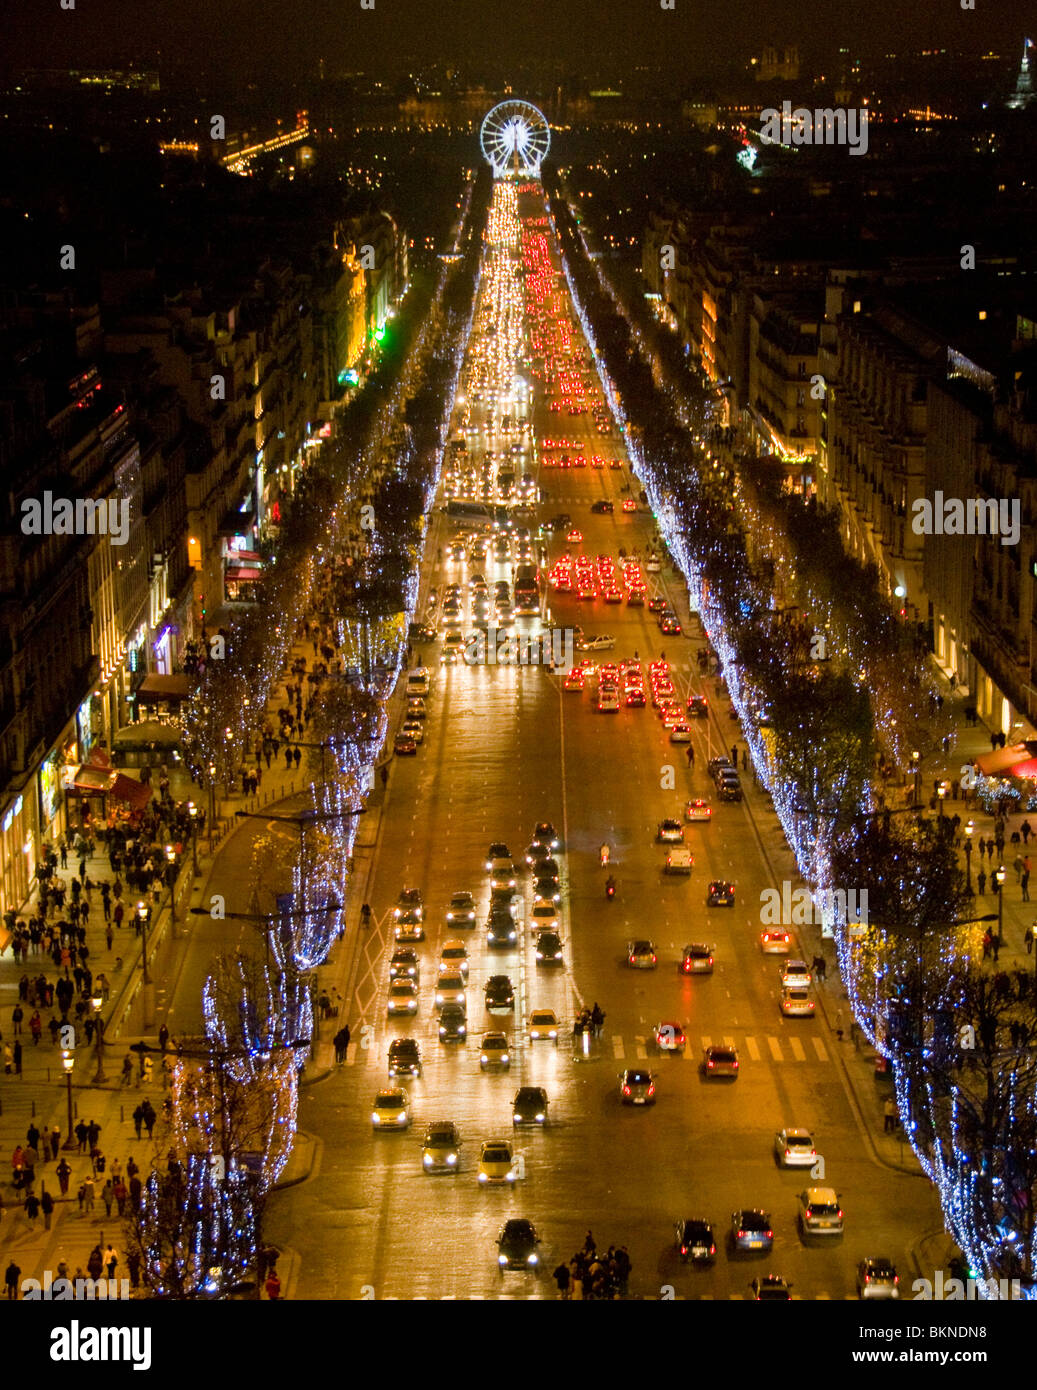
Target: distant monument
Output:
[(1023, 94)]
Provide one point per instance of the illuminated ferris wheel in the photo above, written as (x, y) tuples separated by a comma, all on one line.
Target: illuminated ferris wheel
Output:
[(514, 138)]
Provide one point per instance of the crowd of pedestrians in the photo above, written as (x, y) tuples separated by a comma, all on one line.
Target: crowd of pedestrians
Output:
[(592, 1275)]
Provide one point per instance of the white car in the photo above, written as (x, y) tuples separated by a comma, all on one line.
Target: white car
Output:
[(419, 681), (403, 997), (391, 1109), (543, 1026), (679, 861), (450, 988), (502, 874), (820, 1212), (680, 733), (795, 975), (608, 702), (698, 810), (461, 912), (544, 915), (596, 644), (497, 1163), (413, 728), (797, 1003), (794, 1148), (652, 565), (454, 956), (775, 942)]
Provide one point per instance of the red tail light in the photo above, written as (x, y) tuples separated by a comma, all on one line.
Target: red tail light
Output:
[(769, 1235), (839, 1214), (684, 1249), (741, 1235), (651, 1090), (712, 1250), (653, 958), (626, 1090)]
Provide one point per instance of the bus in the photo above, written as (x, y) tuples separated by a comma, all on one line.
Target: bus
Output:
[(526, 589)]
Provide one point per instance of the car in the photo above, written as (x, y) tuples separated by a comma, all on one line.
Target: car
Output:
[(404, 745), (498, 850), (670, 1036), (603, 507), (775, 943), (404, 1057), (461, 912), (391, 1109), (547, 887), (530, 1107), (499, 992), (794, 1148), (658, 604), (548, 948), (794, 974), (877, 1278), (603, 643), (416, 709), (680, 733), (771, 1288), (641, 955), (574, 680), (453, 1022), (543, 1026), (413, 728), (635, 598), (419, 681), (630, 505), (403, 997), (574, 537), (695, 1240), (670, 832), (544, 915), (500, 930), (409, 906), (635, 697), (409, 927), (698, 810), (441, 1147), (679, 861), (558, 523), (729, 788), (450, 987), (797, 1003), (454, 956), (637, 1087), (720, 893), (820, 1212), (404, 962), (720, 1061), (751, 1229), (652, 565), (697, 706), (494, 1051), (608, 701), (544, 833), (719, 764), (696, 959), (517, 1246), (502, 874), (497, 1163)]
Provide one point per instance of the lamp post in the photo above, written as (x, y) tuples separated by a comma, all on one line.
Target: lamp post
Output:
[(212, 802), (916, 759), (99, 1077), (192, 811), (970, 830), (941, 791), (999, 875), (68, 1061)]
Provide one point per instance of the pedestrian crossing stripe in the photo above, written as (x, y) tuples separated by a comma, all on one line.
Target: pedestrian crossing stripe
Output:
[(378, 1048)]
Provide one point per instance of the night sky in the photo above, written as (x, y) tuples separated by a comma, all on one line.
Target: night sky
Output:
[(267, 40)]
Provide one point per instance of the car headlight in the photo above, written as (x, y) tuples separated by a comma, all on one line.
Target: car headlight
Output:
[(427, 1160), (502, 1259), (504, 1056), (552, 1034), (402, 1119), (451, 1159), (511, 1175), (540, 1119), (533, 1259), (376, 1119), (483, 1177)]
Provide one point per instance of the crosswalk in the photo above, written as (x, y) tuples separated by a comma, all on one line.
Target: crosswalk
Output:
[(790, 1050)]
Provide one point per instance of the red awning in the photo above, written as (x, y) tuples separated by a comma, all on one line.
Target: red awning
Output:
[(91, 781), (238, 575), (1003, 761), (156, 689), (130, 790)]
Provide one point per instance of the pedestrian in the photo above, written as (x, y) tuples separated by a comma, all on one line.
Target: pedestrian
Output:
[(147, 1068), (138, 1120), (734, 755), (82, 1134), (16, 1019), (981, 882), (120, 1192), (32, 1209), (1028, 940), (561, 1278), (298, 758), (889, 1114), (109, 936), (17, 1054), (111, 1260), (11, 1280), (384, 774), (93, 1133), (691, 756), (1025, 882), (149, 1117), (839, 1024), (1018, 867), (996, 947), (108, 1197), (95, 1264), (64, 1173), (1027, 831), (163, 1037), (589, 1245), (127, 1071), (273, 1285), (988, 941), (47, 1207), (88, 1193)]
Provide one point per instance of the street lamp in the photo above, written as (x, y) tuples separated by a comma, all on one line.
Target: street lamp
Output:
[(97, 1000), (970, 829), (68, 1061), (143, 914), (999, 874), (942, 789), (916, 769), (192, 811)]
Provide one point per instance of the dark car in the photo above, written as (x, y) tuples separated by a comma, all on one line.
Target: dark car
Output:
[(547, 888), (501, 934), (404, 963), (602, 507), (695, 1240), (637, 1087), (517, 1246), (562, 522), (499, 993), (720, 894), (771, 1288), (669, 624), (536, 854), (729, 788), (453, 1023), (404, 745), (548, 948), (751, 1229), (421, 632), (658, 604), (530, 1106), (698, 706), (544, 833), (498, 850), (404, 1057), (547, 868)]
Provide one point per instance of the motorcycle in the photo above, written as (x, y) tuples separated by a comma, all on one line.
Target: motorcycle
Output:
[(610, 887), (604, 855)]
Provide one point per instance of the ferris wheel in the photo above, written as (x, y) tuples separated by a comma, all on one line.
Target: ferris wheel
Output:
[(514, 138)]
